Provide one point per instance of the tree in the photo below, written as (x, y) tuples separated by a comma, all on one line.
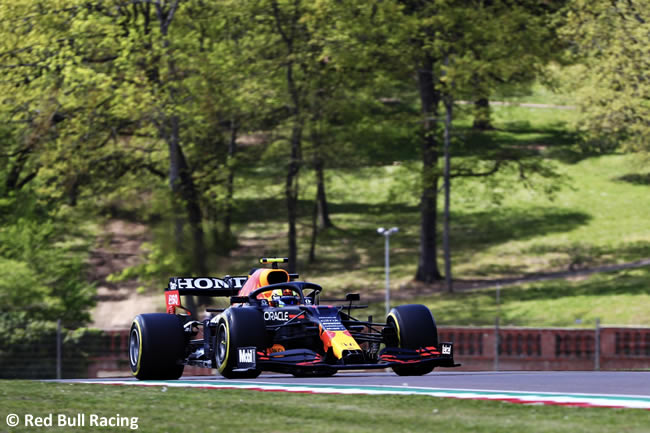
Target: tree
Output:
[(611, 41), (301, 43), (97, 102), (509, 43), (462, 43), (42, 247)]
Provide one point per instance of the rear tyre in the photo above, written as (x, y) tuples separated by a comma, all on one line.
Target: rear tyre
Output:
[(415, 327), (236, 328), (156, 347)]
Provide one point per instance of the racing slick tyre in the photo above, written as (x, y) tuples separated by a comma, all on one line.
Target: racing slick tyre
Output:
[(156, 346), (238, 328), (415, 327)]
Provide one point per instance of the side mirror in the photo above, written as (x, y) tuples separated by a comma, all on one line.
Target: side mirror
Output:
[(352, 297)]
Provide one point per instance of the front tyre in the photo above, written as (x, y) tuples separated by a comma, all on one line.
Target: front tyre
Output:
[(415, 328), (237, 328), (156, 347)]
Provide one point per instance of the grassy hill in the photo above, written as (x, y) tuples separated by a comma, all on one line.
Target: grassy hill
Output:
[(616, 298)]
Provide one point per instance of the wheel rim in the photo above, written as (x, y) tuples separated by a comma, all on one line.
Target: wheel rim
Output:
[(391, 321), (222, 343), (134, 347)]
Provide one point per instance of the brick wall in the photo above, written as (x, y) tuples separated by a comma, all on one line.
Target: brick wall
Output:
[(608, 348)]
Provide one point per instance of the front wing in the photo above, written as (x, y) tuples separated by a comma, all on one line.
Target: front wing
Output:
[(305, 360)]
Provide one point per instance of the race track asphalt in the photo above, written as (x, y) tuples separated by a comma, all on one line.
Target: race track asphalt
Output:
[(635, 383), (588, 382)]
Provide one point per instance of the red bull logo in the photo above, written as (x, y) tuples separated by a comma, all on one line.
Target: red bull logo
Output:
[(338, 341)]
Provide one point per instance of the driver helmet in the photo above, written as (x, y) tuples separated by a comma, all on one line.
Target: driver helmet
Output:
[(282, 297)]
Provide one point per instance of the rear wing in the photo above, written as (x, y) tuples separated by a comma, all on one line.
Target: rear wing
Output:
[(200, 286), (206, 286)]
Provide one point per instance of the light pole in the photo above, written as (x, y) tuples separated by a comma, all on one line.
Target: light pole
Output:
[(387, 233)]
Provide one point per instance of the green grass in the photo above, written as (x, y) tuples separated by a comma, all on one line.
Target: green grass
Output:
[(171, 410), (598, 219), (616, 298), (538, 92)]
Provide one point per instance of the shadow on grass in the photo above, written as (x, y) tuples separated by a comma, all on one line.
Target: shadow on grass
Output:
[(551, 143), (635, 179), (486, 228), (482, 228), (471, 232), (630, 282), (354, 244), (275, 209), (500, 269), (579, 255), (478, 307), (377, 210)]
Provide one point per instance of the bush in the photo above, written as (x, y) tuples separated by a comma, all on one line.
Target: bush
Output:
[(28, 348), (42, 263), (42, 280)]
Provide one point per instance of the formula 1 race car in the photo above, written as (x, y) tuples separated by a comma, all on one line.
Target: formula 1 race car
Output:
[(276, 323)]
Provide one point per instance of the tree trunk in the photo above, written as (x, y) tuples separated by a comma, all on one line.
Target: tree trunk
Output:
[(314, 233), (230, 189), (291, 193), (175, 178), (323, 216), (211, 214), (184, 191), (73, 192), (445, 237), (288, 34), (482, 120), (190, 197), (175, 186), (294, 162), (180, 178), (430, 99)]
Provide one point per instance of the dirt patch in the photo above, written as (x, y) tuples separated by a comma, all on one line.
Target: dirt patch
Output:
[(118, 247), (118, 314)]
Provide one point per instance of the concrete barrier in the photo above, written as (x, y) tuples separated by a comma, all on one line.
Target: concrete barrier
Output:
[(606, 348)]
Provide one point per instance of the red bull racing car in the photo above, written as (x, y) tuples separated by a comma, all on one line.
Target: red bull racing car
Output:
[(277, 323)]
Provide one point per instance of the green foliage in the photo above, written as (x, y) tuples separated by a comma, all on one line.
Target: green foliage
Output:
[(161, 261), (41, 263), (28, 347), (491, 44), (611, 42)]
